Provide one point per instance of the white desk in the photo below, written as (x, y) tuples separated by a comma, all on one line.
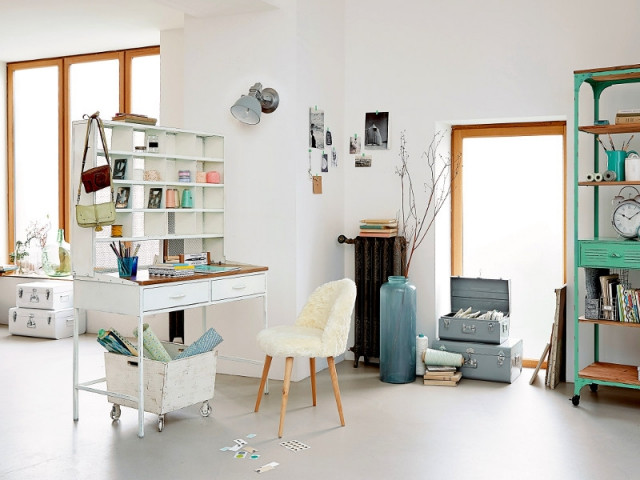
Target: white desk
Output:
[(144, 295)]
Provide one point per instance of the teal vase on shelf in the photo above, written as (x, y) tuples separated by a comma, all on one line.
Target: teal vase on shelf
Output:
[(397, 330), (56, 257)]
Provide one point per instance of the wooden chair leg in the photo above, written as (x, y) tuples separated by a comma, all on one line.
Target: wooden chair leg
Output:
[(312, 372), (336, 388), (285, 393), (263, 381)]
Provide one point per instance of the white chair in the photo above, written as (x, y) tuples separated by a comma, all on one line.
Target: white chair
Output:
[(321, 330)]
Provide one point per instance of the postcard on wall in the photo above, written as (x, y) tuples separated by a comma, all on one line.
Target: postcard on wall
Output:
[(122, 198), (354, 144), (325, 162), (334, 157), (363, 161), (119, 168), (316, 128), (376, 130)]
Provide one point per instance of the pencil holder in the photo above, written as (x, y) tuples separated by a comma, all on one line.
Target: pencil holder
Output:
[(127, 266)]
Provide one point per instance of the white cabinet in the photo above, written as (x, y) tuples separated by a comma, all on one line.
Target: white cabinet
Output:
[(177, 165)]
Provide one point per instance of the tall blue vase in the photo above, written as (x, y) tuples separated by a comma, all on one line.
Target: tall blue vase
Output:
[(398, 330)]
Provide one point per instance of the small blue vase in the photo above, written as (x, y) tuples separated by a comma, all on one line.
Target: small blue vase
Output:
[(398, 330)]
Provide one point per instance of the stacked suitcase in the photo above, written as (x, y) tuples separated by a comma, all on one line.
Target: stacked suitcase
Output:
[(44, 309), (488, 352)]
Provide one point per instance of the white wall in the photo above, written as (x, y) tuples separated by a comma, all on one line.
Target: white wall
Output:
[(460, 62)]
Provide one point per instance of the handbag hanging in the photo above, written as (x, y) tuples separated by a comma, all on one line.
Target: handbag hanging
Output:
[(95, 215)]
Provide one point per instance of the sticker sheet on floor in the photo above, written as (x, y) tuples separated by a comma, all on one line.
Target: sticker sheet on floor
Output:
[(294, 445)]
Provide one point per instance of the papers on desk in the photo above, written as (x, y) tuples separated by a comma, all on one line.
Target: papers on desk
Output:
[(214, 268), (171, 269)]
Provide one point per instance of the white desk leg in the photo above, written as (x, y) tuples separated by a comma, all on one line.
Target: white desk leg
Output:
[(266, 324), (75, 365), (140, 378)]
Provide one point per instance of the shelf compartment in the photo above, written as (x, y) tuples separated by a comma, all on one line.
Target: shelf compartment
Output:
[(611, 372), (609, 184), (608, 129), (609, 253)]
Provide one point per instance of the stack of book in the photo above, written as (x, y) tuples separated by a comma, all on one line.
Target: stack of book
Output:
[(628, 116), (445, 376), (172, 269), (134, 118), (378, 227)]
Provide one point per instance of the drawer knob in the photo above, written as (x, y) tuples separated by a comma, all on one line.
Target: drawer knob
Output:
[(615, 255)]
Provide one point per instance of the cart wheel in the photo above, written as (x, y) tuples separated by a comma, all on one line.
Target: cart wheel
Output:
[(160, 422), (593, 387), (205, 410), (575, 400), (115, 412)]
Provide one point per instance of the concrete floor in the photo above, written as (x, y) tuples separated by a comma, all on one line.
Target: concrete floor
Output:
[(476, 430)]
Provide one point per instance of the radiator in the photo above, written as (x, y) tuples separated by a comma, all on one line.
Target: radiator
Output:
[(375, 260)]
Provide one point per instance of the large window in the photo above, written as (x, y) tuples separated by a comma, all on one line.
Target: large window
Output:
[(44, 97)]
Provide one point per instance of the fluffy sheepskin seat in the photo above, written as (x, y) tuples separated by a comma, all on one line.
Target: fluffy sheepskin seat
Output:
[(321, 330)]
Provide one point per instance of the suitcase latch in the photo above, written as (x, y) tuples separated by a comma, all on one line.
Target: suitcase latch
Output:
[(500, 359), (517, 361), (490, 325), (468, 329), (34, 296), (446, 322), (49, 320), (48, 294), (470, 362), (15, 315), (20, 292), (30, 322)]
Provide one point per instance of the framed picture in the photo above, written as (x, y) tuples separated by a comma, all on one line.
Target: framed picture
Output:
[(155, 197), (316, 128), (122, 197), (376, 131), (119, 168)]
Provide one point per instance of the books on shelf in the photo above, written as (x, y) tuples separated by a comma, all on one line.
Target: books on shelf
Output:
[(378, 227), (134, 118), (631, 115)]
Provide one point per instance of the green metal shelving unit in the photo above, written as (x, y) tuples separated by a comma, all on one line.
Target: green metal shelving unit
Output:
[(600, 252)]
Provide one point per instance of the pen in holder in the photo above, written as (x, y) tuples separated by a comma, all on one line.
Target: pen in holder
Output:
[(127, 266)]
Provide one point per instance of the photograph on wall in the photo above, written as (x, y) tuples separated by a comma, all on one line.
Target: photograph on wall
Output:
[(354, 144), (363, 161), (119, 168), (122, 197), (334, 157), (316, 128), (329, 138), (325, 162), (376, 131), (155, 197)]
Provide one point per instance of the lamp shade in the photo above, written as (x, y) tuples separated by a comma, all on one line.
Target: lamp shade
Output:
[(247, 109)]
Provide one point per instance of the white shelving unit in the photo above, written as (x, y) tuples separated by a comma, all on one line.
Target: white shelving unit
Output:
[(196, 229)]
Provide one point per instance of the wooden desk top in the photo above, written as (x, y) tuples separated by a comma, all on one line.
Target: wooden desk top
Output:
[(143, 278)]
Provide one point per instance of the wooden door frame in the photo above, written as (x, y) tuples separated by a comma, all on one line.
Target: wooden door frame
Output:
[(458, 134)]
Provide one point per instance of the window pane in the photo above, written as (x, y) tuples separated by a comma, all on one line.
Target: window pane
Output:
[(35, 97), (145, 86), (94, 86)]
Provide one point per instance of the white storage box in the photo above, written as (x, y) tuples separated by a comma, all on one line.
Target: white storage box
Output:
[(168, 386), (34, 322), (47, 295)]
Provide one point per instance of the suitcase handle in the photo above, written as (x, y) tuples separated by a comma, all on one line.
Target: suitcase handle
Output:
[(132, 363)]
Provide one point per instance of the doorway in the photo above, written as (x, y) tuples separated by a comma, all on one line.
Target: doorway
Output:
[(508, 218)]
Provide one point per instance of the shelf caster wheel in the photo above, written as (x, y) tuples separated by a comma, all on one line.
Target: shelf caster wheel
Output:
[(205, 410), (115, 412), (160, 422), (575, 400), (593, 387)]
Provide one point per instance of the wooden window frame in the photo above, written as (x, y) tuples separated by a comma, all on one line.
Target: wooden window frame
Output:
[(458, 134), (125, 58)]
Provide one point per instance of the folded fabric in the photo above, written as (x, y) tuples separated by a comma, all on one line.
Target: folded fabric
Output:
[(126, 343), (207, 342), (108, 341), (153, 348), (440, 358)]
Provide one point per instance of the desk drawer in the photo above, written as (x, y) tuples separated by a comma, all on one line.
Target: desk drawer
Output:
[(611, 254), (171, 296), (234, 287)]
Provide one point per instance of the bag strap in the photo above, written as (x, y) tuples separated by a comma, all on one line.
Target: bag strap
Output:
[(96, 117)]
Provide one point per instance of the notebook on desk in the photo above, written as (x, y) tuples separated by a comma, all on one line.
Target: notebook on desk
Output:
[(214, 268)]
